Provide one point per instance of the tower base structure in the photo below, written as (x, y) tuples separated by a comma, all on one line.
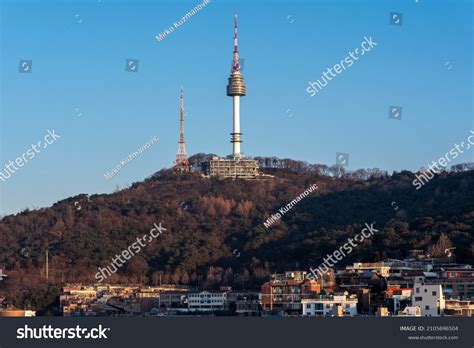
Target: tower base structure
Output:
[(233, 167), (182, 166)]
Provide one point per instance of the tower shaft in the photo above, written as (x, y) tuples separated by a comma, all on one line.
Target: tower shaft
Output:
[(236, 134)]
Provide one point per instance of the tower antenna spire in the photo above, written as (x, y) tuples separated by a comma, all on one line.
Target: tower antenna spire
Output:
[(236, 65)]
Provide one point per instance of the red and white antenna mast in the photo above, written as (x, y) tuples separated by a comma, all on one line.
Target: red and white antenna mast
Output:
[(181, 156)]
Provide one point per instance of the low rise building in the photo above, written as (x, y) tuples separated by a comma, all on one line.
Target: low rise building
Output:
[(285, 292), (337, 305), (410, 311), (377, 267), (459, 308), (397, 298), (457, 281), (239, 167), (248, 308), (430, 299), (207, 301)]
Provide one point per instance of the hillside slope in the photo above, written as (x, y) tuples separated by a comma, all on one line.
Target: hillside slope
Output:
[(215, 228)]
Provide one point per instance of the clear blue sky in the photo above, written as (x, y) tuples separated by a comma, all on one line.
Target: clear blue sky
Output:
[(82, 65)]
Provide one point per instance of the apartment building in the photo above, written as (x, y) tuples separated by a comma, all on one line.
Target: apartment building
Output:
[(338, 305), (430, 299), (457, 281), (377, 267), (207, 301), (459, 308), (285, 292)]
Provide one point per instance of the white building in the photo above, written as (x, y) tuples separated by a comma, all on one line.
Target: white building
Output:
[(429, 298), (410, 312), (207, 301), (336, 305)]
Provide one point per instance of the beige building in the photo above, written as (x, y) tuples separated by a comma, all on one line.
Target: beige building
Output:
[(459, 308), (242, 168)]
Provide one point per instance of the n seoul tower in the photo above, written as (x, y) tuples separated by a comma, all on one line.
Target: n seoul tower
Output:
[(236, 89), (235, 166)]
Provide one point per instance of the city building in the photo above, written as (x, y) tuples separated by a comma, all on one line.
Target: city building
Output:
[(376, 267), (459, 308), (330, 305), (353, 281), (409, 288), (77, 300), (207, 301), (410, 311), (285, 292), (229, 167), (456, 281), (429, 298), (397, 298), (248, 308)]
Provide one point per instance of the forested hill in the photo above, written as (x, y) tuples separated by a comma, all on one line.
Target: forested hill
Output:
[(215, 228)]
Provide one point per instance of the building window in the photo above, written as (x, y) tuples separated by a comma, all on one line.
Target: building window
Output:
[(427, 307), (417, 290), (426, 290), (308, 306), (434, 293), (418, 299)]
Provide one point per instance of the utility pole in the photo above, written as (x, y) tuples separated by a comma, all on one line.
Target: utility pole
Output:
[(47, 265)]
